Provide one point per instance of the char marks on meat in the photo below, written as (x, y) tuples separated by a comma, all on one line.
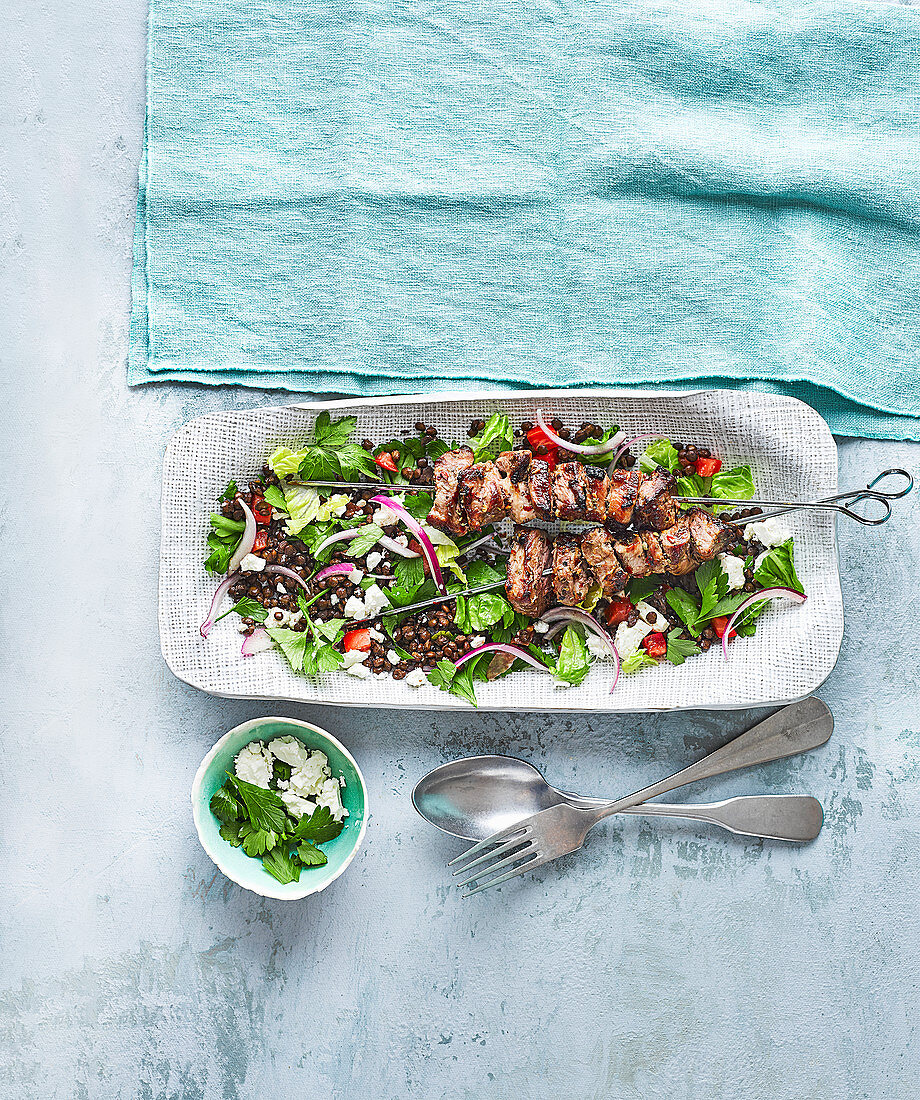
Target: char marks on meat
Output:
[(598, 551), (514, 468), (570, 485), (480, 499), (595, 494), (527, 589), (444, 513), (541, 488), (655, 507), (571, 578), (710, 535), (622, 492), (633, 558), (671, 551)]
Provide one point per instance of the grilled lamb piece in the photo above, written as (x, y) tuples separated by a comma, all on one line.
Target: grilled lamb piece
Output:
[(513, 467), (570, 486), (595, 495), (480, 499), (597, 549), (571, 579), (654, 507), (527, 590), (633, 557), (540, 484), (444, 513), (710, 536), (671, 551), (622, 492)]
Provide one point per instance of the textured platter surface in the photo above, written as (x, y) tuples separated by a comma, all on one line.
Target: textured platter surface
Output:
[(788, 445)]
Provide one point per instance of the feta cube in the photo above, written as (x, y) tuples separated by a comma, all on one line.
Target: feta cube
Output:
[(372, 560), (734, 570), (289, 750), (375, 601), (354, 608), (416, 678), (253, 765), (768, 532), (252, 564)]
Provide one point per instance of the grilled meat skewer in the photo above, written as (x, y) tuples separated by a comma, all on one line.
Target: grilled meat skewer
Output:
[(469, 496)]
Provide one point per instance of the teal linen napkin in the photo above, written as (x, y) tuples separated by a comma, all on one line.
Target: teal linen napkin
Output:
[(376, 196)]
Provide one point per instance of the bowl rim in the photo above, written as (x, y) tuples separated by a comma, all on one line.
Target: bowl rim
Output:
[(270, 890)]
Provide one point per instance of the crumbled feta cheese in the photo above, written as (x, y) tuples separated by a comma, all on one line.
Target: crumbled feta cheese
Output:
[(647, 614), (280, 589), (297, 804), (353, 657), (597, 647), (768, 532), (252, 564), (381, 675), (375, 601), (334, 599), (392, 656), (373, 559), (384, 516), (253, 765), (307, 779), (354, 608), (477, 641), (331, 796), (360, 672), (627, 638), (403, 540), (296, 616), (376, 635), (541, 628), (416, 678), (356, 576), (734, 570), (289, 750), (278, 616)]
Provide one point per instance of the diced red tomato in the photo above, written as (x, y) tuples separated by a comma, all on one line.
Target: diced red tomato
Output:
[(656, 645), (707, 467), (261, 541), (357, 639), (385, 461), (542, 446), (618, 611), (720, 623), (262, 510)]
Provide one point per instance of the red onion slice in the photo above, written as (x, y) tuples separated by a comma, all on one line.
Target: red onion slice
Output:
[(285, 572), (340, 536), (498, 647), (564, 615), (629, 443), (424, 541), (344, 567), (249, 537), (764, 594), (579, 448), (256, 642), (205, 628), (397, 547)]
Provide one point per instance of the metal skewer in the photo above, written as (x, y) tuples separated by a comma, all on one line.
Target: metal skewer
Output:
[(838, 503)]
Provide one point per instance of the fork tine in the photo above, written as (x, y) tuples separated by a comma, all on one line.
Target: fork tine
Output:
[(519, 870), (493, 853), (481, 872), (489, 842)]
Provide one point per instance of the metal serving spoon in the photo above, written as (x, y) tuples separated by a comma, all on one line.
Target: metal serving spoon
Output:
[(478, 796)]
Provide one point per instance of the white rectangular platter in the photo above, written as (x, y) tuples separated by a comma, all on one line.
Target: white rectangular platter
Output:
[(788, 445)]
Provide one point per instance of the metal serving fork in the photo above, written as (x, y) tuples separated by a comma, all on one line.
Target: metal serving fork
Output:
[(562, 829)]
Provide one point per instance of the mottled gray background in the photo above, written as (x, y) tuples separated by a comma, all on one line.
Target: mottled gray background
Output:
[(661, 961)]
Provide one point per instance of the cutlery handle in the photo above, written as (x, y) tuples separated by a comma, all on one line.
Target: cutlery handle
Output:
[(791, 817), (790, 731)]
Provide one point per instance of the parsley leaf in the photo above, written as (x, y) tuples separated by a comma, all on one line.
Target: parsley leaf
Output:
[(418, 505), (410, 573), (319, 827), (687, 609), (224, 805), (256, 841), (275, 498), (230, 492), (333, 433), (322, 658), (712, 581), (640, 588), (331, 455), (311, 856), (264, 808), (280, 865), (223, 539), (679, 649), (446, 676), (777, 568), (248, 609), (293, 644), (230, 831)]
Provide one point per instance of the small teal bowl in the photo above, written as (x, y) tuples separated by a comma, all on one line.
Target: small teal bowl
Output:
[(247, 871)]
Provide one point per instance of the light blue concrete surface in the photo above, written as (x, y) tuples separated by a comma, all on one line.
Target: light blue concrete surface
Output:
[(660, 962)]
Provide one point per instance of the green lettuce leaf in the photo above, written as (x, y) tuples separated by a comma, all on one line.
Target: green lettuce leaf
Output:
[(303, 506), (635, 661), (777, 568), (660, 452), (573, 663), (285, 462)]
